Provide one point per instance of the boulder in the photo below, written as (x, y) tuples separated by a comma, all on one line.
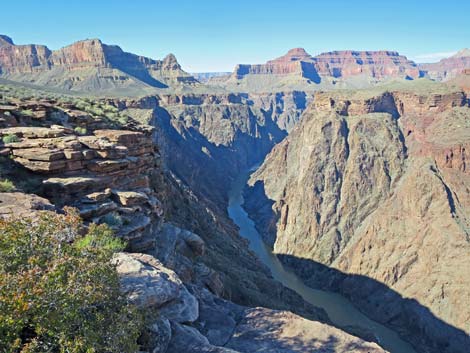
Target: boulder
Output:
[(188, 339), (159, 335), (149, 284), (130, 198), (185, 308), (18, 204)]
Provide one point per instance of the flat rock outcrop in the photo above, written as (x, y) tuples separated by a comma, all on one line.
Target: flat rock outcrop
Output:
[(19, 204), (106, 174), (202, 322), (264, 330)]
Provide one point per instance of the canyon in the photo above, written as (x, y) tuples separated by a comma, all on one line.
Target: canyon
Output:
[(386, 177), (359, 190)]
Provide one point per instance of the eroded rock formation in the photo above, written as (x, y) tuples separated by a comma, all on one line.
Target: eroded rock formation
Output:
[(337, 64), (368, 196), (88, 65), (448, 68), (178, 247)]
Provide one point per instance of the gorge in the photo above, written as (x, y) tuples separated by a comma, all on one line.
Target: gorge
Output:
[(350, 234)]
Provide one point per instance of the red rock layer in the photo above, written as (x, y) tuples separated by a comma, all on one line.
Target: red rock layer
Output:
[(448, 68), (377, 64)]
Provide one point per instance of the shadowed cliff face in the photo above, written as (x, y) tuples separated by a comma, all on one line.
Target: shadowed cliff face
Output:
[(209, 139), (367, 193), (408, 316)]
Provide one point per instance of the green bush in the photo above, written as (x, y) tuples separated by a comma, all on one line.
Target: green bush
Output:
[(114, 220), (27, 112), (6, 186), (80, 130), (10, 138), (58, 290)]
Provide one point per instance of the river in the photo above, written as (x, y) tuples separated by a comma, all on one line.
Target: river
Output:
[(340, 310)]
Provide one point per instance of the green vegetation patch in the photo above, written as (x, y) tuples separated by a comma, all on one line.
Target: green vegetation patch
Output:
[(10, 138), (6, 186), (59, 291)]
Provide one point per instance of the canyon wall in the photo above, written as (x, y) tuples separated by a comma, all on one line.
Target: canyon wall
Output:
[(89, 65), (208, 139), (368, 196), (59, 154)]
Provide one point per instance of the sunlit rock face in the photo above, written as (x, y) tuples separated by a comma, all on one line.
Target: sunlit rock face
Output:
[(376, 187)]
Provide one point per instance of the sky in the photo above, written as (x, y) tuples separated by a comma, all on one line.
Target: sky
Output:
[(209, 36)]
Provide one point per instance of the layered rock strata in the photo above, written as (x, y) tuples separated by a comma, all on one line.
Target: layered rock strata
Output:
[(448, 68), (113, 176), (337, 64), (88, 65), (368, 196)]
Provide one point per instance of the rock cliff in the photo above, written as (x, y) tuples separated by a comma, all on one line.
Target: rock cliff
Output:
[(367, 196), (89, 65), (304, 69), (448, 68), (207, 139), (376, 64), (93, 156)]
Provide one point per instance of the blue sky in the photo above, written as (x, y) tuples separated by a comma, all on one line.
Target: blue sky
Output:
[(216, 35)]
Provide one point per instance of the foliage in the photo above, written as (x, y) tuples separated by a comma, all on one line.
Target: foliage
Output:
[(27, 112), (96, 107), (58, 290), (6, 186), (10, 138), (80, 130), (113, 220)]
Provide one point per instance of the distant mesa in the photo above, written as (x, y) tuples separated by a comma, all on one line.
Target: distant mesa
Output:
[(448, 68), (93, 66), (88, 65), (335, 64)]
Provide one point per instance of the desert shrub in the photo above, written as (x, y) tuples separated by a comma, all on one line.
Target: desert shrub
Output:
[(123, 119), (96, 111), (6, 186), (113, 220), (109, 108), (10, 138), (80, 130), (27, 112), (58, 290)]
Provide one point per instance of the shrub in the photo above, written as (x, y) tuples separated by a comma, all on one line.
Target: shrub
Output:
[(6, 186), (27, 112), (10, 138), (123, 119), (80, 130), (58, 290), (113, 220)]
